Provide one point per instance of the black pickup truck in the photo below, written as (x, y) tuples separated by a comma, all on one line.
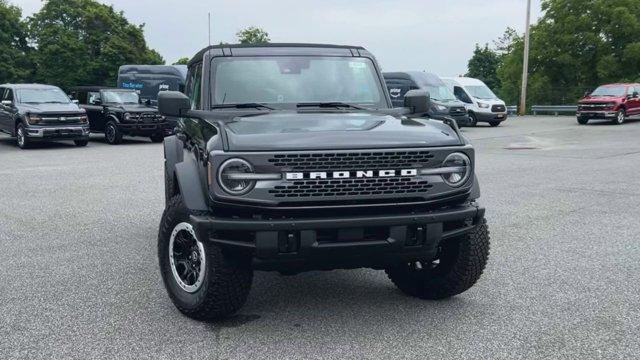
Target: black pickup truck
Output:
[(119, 112), (36, 112), (290, 158)]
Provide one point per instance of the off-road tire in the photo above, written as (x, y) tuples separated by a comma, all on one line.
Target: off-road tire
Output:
[(466, 259), (81, 143), (620, 117), (21, 137), (156, 138), (583, 120), (112, 134), (227, 278), (494, 123), (473, 119), (169, 187)]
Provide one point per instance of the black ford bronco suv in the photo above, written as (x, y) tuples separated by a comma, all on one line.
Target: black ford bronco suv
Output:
[(36, 112), (290, 157), (119, 112)]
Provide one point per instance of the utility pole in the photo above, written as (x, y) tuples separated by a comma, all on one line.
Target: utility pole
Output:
[(525, 64), (209, 26)]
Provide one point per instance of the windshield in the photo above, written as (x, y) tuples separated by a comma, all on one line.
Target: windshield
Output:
[(120, 97), (290, 80), (610, 91), (42, 96), (441, 93), (481, 92)]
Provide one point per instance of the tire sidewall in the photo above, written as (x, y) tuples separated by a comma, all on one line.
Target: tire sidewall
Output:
[(173, 216), (619, 114), (20, 133), (116, 137), (474, 119)]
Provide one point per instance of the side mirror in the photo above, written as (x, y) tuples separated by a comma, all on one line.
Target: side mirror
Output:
[(173, 103), (7, 102), (419, 101), (635, 94), (587, 93), (97, 102), (75, 101)]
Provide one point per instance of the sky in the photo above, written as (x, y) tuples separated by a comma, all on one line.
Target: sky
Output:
[(430, 35)]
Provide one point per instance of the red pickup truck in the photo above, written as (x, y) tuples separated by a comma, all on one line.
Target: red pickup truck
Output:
[(617, 102)]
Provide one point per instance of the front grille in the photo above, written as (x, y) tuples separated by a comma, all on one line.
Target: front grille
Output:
[(350, 187), (62, 132), (351, 161), (457, 110), (61, 118), (145, 117), (594, 106), (498, 108)]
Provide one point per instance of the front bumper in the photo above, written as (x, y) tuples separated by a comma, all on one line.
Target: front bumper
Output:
[(604, 114), (461, 120), (58, 132), (147, 129), (491, 116), (339, 242)]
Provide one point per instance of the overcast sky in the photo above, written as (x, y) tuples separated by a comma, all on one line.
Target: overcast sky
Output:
[(437, 36)]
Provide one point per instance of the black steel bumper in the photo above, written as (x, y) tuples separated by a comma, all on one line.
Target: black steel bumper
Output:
[(146, 129), (344, 242)]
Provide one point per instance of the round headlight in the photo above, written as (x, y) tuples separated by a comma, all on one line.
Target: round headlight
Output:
[(460, 165), (230, 176)]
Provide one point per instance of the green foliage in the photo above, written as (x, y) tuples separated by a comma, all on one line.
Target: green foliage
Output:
[(576, 46), (15, 64), (484, 65), (182, 61), (253, 35), (85, 42)]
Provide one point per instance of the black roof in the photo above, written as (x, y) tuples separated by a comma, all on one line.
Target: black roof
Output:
[(96, 88), (200, 53), (29, 86)]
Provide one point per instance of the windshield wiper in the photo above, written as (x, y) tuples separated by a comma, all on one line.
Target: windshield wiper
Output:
[(333, 104), (241, 106)]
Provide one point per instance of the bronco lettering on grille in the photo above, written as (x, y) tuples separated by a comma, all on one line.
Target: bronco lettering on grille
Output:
[(349, 174)]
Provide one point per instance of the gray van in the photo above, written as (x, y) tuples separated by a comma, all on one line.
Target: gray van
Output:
[(443, 102)]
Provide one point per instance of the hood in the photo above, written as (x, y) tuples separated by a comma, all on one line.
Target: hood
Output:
[(600, 99), (133, 107), (280, 131), (50, 108), (495, 101)]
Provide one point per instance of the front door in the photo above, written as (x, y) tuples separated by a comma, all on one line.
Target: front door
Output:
[(95, 110), (633, 103)]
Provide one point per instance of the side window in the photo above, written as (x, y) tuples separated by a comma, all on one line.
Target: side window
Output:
[(92, 96), (8, 95), (398, 88), (461, 95), (193, 87), (2, 91)]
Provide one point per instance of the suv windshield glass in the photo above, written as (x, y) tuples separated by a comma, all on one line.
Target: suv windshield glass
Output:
[(610, 91), (289, 80), (42, 96), (481, 92), (441, 93), (120, 97)]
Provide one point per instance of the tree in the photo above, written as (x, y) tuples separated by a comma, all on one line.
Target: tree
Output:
[(182, 61), (253, 35), (85, 42), (483, 65), (15, 64), (576, 46)]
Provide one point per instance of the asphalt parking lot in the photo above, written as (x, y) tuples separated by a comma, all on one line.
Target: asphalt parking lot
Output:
[(79, 275)]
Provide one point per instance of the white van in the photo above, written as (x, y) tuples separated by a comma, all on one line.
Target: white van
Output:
[(482, 104)]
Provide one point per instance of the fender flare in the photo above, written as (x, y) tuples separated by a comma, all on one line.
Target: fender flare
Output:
[(475, 189), (185, 173)]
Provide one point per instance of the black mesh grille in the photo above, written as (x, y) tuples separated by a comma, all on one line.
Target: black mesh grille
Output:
[(352, 161), (350, 187), (498, 108), (457, 110)]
